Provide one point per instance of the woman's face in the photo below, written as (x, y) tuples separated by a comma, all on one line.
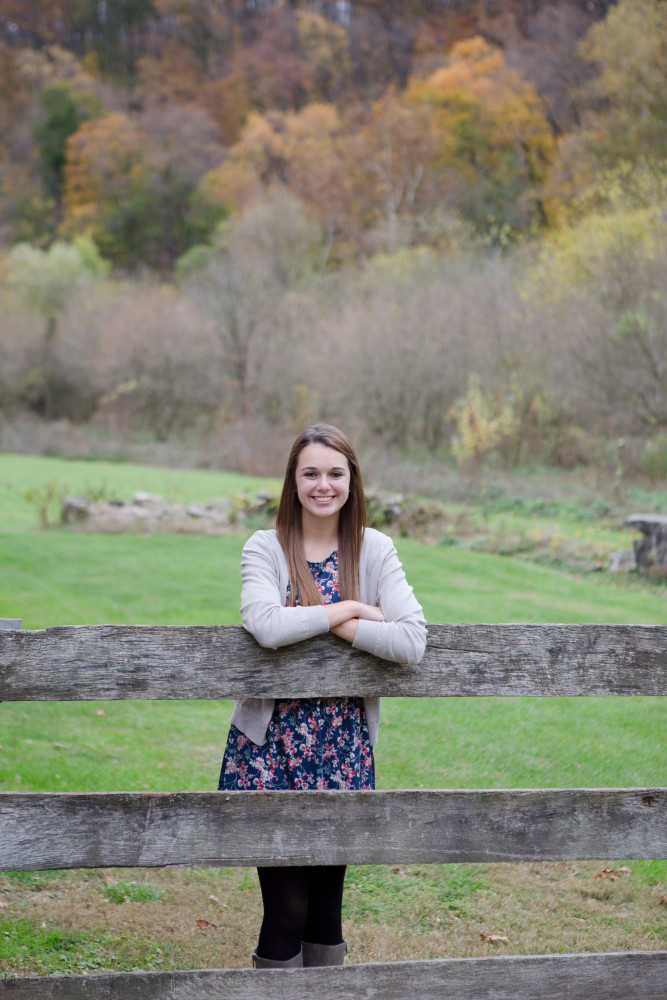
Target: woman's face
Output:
[(322, 480)]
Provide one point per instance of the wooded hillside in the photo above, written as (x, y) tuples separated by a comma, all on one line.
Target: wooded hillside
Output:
[(468, 197), (148, 121)]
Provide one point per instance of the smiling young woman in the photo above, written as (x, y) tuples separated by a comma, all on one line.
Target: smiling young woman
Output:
[(321, 570)]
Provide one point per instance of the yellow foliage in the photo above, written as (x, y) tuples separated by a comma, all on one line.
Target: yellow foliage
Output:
[(262, 142), (233, 184), (478, 89), (271, 147), (317, 122), (103, 156), (625, 104), (577, 254), (473, 65), (629, 48), (482, 422), (227, 103), (326, 48), (571, 173)]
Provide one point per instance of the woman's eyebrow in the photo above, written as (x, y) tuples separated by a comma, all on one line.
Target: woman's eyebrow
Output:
[(314, 468)]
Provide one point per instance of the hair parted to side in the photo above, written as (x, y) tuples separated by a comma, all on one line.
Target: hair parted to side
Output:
[(351, 520)]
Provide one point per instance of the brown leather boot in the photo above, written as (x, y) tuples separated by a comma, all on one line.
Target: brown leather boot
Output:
[(323, 954), (270, 963)]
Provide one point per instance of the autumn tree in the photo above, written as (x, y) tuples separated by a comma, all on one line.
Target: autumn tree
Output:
[(44, 282), (227, 102), (395, 148), (64, 111), (133, 184), (623, 109), (628, 95), (103, 171), (29, 172), (312, 152), (325, 47), (601, 279), (483, 422), (494, 136)]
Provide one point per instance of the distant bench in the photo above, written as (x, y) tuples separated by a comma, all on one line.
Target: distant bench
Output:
[(144, 829)]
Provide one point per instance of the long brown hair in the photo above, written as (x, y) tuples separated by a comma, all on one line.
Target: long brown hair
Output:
[(351, 520)]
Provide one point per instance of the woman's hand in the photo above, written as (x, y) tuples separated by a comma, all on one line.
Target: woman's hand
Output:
[(344, 617), (343, 611)]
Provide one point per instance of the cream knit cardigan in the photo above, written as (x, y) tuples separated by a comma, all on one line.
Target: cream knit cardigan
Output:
[(401, 637)]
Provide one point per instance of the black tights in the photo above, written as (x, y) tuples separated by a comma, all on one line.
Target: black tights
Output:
[(301, 903)]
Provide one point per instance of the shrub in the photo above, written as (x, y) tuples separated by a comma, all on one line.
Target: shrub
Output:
[(653, 459)]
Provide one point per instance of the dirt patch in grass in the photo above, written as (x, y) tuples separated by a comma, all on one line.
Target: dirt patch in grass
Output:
[(197, 918)]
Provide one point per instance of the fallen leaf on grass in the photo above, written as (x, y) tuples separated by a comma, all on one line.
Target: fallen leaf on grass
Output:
[(663, 901), (494, 937), (612, 873), (3, 906), (203, 924), (214, 899)]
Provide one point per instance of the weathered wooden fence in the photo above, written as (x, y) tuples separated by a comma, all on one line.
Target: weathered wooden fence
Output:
[(125, 829)]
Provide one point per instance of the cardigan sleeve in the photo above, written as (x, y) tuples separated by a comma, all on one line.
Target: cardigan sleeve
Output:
[(263, 613), (402, 636)]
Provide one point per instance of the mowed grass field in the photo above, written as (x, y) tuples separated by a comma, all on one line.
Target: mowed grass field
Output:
[(88, 921)]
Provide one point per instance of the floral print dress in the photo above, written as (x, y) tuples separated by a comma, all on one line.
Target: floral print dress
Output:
[(313, 742)]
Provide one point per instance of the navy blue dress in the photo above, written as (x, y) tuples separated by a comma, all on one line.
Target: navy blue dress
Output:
[(313, 742)]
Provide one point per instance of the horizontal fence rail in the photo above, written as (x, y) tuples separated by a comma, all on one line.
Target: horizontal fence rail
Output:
[(147, 829), (110, 662), (611, 976)]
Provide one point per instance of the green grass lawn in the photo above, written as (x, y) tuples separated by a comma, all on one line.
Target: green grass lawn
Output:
[(61, 577)]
